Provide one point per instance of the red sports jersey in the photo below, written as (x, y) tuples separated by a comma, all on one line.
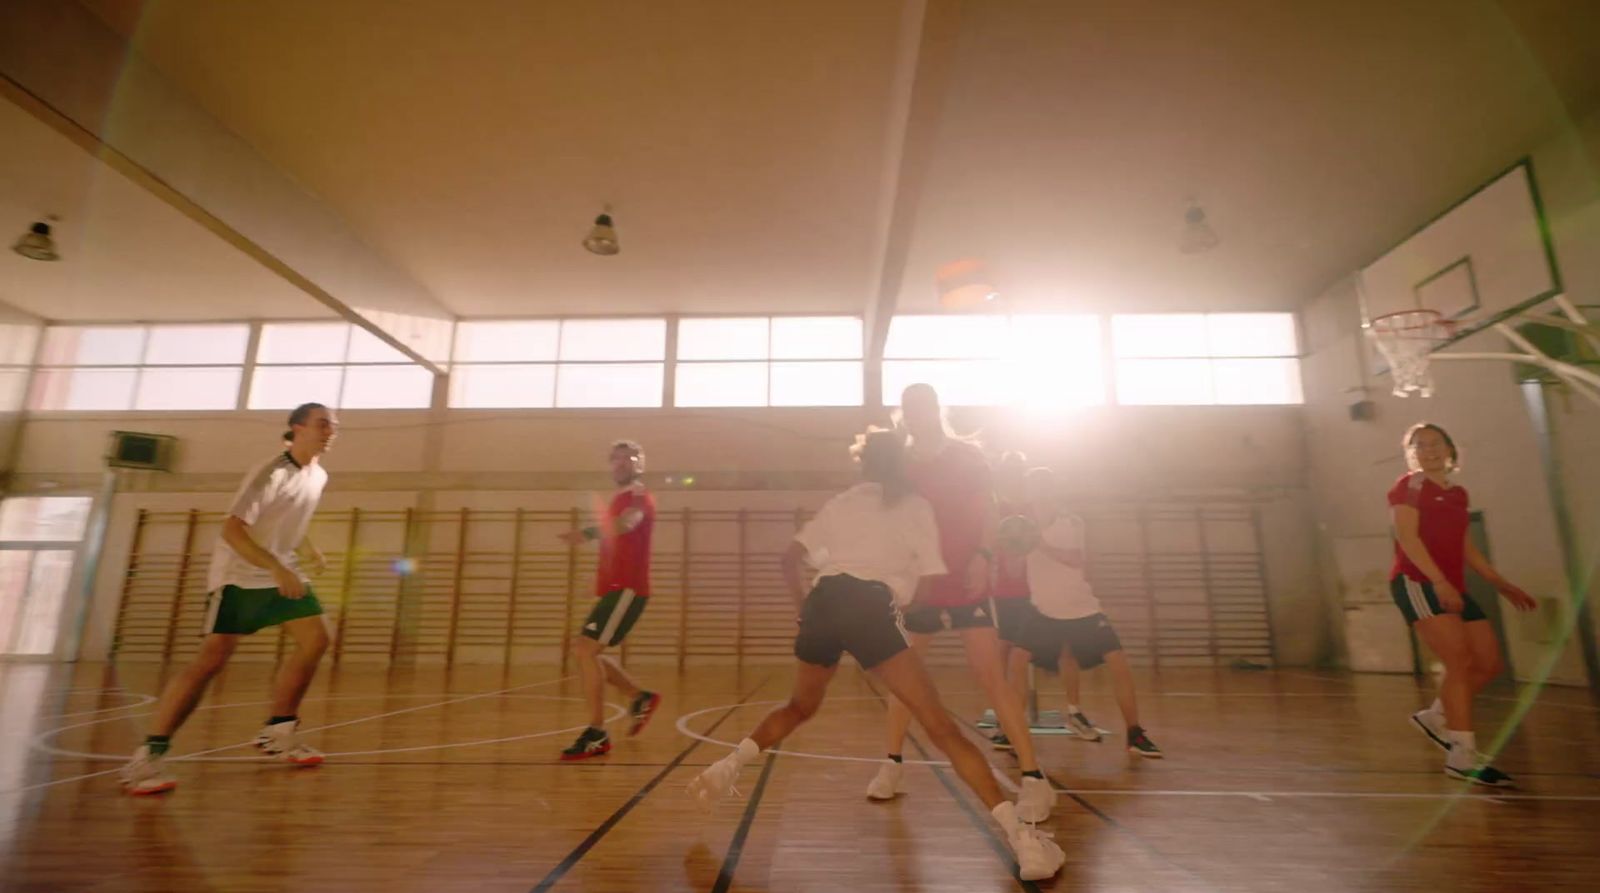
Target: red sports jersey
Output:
[(1011, 571), (956, 483), (1442, 524), (625, 558)]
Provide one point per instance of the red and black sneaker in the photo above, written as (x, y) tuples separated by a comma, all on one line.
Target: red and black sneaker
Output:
[(592, 742), (643, 707)]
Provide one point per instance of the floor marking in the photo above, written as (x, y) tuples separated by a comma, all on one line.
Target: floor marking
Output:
[(38, 740)]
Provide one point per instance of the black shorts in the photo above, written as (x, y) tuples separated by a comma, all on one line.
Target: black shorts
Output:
[(613, 616), (1089, 639), (937, 618), (1417, 600), (1014, 617), (843, 613)]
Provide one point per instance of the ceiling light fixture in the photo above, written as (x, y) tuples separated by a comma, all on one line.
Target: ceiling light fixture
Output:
[(36, 244), (965, 284), (602, 237), (1198, 236)]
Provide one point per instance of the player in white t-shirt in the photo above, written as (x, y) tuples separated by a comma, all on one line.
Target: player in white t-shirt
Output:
[(871, 548), (256, 581), (1073, 632)]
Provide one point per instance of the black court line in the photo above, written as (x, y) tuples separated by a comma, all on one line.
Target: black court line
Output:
[(1092, 809), (730, 864), (588, 843), (1000, 847)]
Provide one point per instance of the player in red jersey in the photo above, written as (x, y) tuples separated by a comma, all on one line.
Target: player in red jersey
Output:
[(1013, 610), (622, 587), (953, 476), (1432, 550)]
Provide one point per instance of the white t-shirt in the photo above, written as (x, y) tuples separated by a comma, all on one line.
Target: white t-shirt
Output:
[(1060, 590), (855, 533), (277, 500)]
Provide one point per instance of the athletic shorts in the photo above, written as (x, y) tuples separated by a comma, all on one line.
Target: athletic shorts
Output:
[(937, 618), (844, 613), (1416, 600), (1089, 639), (613, 616), (1014, 616), (234, 611)]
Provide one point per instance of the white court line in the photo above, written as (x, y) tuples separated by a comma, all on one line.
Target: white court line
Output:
[(1265, 796), (618, 711), (1260, 796), (143, 700), (46, 784)]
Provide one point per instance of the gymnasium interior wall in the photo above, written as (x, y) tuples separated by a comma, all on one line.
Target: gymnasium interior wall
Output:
[(1249, 456), (1352, 463)]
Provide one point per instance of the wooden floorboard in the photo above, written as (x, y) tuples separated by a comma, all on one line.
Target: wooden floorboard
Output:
[(449, 780)]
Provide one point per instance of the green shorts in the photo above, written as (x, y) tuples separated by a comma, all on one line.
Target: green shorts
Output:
[(240, 612), (613, 616)]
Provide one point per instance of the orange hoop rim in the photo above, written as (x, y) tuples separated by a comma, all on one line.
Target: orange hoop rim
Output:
[(1389, 326)]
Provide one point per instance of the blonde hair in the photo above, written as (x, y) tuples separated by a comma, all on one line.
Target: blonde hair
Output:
[(881, 453)]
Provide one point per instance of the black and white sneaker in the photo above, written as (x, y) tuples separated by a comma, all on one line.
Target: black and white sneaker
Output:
[(1001, 742), (1140, 743), (592, 742), (1481, 773)]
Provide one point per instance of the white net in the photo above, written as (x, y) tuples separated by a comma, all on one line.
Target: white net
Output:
[(1407, 341)]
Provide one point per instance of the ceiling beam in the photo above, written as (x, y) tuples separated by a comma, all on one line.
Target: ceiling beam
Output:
[(926, 55), (71, 71)]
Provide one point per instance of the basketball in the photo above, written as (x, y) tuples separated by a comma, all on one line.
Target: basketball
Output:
[(1017, 534)]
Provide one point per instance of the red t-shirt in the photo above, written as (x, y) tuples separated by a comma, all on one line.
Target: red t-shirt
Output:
[(1442, 524), (956, 483), (1011, 571), (625, 558)]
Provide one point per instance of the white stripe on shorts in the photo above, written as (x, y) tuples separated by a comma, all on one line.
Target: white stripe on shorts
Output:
[(1419, 599), (616, 616), (213, 608)]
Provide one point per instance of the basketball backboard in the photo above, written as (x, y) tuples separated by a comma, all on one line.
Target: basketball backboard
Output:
[(1485, 258)]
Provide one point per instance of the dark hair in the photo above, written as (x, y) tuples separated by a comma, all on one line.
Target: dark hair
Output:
[(922, 387), (882, 454), (1408, 442), (298, 417)]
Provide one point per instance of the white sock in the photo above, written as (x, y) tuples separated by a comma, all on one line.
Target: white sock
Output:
[(1436, 707), (746, 752), (1463, 749)]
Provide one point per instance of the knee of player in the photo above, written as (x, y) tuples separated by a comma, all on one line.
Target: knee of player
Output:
[(1488, 666)]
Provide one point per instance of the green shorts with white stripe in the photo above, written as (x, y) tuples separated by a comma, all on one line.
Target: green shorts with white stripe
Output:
[(614, 615), (1417, 601)]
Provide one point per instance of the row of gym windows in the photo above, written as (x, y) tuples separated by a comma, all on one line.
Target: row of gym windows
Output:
[(1043, 361)]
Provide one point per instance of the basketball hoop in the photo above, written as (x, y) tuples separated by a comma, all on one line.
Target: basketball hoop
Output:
[(1407, 340)]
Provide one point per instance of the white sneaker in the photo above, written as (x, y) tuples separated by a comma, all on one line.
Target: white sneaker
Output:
[(1036, 800), (1431, 723), (715, 781), (146, 773), (280, 740), (886, 784), (1038, 857)]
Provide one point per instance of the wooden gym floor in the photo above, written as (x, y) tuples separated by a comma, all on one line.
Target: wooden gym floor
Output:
[(439, 780)]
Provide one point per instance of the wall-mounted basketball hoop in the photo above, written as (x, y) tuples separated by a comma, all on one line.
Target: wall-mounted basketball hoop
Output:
[(1410, 340)]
